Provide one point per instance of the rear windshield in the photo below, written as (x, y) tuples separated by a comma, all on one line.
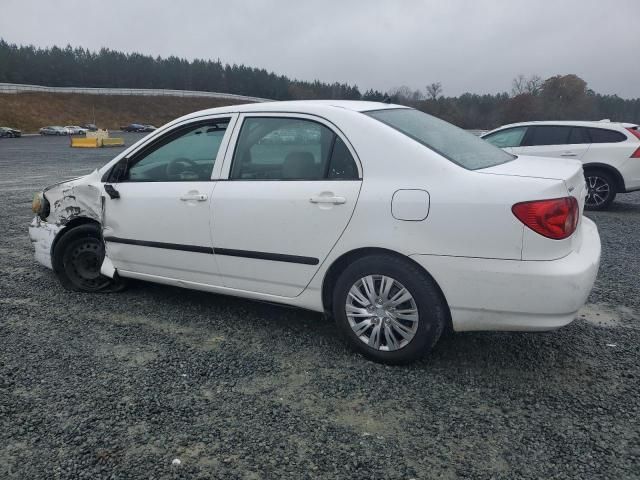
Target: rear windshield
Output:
[(453, 143)]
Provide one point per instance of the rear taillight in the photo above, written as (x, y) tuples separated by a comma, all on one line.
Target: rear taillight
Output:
[(634, 131), (556, 218)]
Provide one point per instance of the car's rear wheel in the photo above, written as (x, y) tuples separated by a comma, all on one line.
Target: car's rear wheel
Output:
[(77, 259), (389, 309), (601, 189)]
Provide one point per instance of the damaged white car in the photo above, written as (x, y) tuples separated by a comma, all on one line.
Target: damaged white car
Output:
[(398, 224)]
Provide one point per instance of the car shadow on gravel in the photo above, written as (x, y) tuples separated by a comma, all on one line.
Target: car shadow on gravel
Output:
[(480, 352), (619, 207), (289, 332)]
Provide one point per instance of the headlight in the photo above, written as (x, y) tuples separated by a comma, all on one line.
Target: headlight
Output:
[(36, 205), (40, 205)]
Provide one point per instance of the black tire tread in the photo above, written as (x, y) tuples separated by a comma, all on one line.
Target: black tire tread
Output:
[(57, 258)]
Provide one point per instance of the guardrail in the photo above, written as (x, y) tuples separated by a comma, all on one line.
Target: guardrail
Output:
[(18, 88)]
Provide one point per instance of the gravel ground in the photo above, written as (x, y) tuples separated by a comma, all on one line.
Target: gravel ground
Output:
[(120, 385)]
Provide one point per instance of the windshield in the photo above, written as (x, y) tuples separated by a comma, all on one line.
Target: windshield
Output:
[(453, 143)]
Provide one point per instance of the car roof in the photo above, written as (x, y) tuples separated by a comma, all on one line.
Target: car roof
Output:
[(298, 106), (573, 123)]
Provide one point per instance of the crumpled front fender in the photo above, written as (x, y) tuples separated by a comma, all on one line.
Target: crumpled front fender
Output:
[(42, 235)]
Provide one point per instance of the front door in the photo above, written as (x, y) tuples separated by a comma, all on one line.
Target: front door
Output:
[(292, 187), (156, 212)]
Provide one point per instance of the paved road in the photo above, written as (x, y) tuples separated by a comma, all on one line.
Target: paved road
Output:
[(120, 385)]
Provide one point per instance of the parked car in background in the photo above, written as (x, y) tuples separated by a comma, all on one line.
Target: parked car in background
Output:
[(76, 130), (609, 152), (138, 127), (10, 132), (132, 127), (54, 130), (398, 223), (91, 127)]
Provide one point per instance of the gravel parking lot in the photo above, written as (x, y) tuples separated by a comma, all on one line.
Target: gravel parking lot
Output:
[(120, 385)]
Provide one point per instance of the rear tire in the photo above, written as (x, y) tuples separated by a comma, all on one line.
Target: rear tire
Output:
[(405, 307), (601, 189), (77, 259)]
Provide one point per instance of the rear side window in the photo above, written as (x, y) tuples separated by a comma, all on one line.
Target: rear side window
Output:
[(579, 135), (270, 148), (453, 143), (547, 135), (342, 166), (510, 137), (601, 135)]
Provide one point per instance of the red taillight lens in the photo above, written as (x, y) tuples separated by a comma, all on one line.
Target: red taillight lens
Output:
[(634, 131), (556, 218)]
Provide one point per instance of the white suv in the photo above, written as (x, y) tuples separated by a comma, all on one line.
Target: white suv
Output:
[(610, 152)]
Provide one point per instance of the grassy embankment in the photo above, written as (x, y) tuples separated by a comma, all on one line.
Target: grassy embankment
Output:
[(30, 111)]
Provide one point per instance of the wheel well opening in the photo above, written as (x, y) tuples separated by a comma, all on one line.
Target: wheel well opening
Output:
[(69, 226), (617, 177), (341, 263)]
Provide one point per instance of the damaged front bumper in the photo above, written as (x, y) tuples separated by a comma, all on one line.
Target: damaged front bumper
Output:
[(42, 234)]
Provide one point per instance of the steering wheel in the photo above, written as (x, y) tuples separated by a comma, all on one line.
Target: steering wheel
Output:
[(176, 167)]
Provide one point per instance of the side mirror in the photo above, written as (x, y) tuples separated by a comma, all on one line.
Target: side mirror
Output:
[(119, 171)]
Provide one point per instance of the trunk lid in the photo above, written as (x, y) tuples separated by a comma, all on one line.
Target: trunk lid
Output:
[(535, 246), (567, 170)]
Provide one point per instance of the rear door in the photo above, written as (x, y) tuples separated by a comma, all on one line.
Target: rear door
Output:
[(611, 147), (292, 185), (560, 141)]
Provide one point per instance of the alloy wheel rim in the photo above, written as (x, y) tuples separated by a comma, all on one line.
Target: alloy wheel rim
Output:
[(598, 191), (382, 313)]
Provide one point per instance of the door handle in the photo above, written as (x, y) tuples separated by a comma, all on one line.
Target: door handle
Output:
[(326, 199), (198, 197), (568, 154)]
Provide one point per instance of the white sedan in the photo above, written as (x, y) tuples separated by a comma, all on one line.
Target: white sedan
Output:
[(396, 223), (76, 130)]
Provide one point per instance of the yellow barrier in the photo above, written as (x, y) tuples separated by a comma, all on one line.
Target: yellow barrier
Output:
[(81, 142), (84, 142), (113, 142)]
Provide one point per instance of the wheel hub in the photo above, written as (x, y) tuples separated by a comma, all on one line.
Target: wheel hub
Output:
[(82, 265), (382, 312), (597, 191)]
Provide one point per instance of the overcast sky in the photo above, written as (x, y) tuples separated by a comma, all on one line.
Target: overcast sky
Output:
[(469, 46)]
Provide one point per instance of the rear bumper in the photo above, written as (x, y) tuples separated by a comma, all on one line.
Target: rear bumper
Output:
[(630, 172), (489, 294), (42, 235)]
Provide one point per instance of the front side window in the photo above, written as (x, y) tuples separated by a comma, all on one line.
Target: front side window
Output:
[(453, 143), (547, 135), (270, 148), (510, 137), (183, 155)]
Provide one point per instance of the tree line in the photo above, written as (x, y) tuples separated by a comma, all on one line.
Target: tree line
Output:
[(561, 97), (531, 98)]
